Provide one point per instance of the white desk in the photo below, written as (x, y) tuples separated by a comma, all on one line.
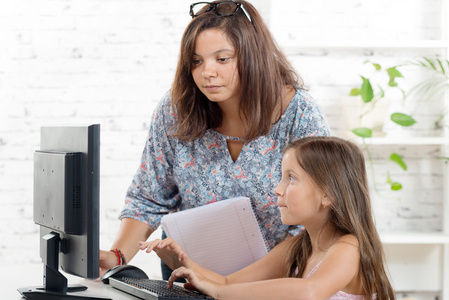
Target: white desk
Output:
[(14, 277)]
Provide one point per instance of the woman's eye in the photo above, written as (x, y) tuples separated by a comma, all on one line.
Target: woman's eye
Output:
[(196, 61), (223, 59), (291, 178)]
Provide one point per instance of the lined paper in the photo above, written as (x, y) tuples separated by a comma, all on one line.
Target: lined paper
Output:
[(223, 236)]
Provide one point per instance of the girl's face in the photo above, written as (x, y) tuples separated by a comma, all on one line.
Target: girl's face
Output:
[(300, 201), (214, 67)]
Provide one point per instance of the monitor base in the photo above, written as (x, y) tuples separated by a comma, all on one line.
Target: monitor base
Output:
[(39, 293)]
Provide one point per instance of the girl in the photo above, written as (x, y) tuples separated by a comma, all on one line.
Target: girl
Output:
[(219, 132), (338, 255)]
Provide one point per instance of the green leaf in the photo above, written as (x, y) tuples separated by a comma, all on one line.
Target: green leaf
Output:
[(355, 92), (363, 132), (396, 186), (375, 65), (393, 73), (392, 83), (434, 64), (431, 65), (398, 159), (367, 90), (402, 119), (381, 91), (443, 71)]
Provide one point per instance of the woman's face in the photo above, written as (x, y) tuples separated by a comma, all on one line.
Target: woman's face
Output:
[(214, 67)]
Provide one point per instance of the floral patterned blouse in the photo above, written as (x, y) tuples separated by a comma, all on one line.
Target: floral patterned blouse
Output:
[(176, 175)]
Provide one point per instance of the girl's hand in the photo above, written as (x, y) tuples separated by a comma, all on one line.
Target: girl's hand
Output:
[(168, 251), (195, 281)]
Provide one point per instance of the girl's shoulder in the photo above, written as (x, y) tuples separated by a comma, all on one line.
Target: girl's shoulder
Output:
[(349, 239)]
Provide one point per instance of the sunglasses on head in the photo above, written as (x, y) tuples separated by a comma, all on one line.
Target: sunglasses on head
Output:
[(223, 9)]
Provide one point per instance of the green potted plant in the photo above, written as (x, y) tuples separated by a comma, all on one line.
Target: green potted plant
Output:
[(371, 101), (369, 96), (434, 85)]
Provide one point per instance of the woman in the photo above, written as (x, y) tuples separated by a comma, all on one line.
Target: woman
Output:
[(220, 131)]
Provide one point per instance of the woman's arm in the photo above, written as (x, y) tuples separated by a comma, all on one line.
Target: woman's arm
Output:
[(147, 199), (130, 232)]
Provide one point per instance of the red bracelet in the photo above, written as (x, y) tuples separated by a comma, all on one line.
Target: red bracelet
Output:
[(120, 257)]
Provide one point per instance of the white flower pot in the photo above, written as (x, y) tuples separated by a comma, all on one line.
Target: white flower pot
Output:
[(357, 113)]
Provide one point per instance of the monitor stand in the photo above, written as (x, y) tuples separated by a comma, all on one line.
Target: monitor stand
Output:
[(55, 284)]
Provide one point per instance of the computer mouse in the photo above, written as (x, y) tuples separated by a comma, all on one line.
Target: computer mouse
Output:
[(123, 271)]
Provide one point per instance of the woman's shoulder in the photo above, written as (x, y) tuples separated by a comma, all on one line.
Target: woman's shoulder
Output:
[(163, 110), (303, 101), (165, 102), (302, 95), (305, 116)]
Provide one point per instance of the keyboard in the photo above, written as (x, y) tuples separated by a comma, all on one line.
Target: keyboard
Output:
[(153, 289)]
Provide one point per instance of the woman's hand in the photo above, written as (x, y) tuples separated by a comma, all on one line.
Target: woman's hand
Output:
[(195, 281), (168, 251), (107, 260)]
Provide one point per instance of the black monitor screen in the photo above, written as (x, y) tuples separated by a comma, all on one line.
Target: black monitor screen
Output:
[(66, 204)]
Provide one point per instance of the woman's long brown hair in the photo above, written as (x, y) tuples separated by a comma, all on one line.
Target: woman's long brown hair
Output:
[(338, 168), (263, 70)]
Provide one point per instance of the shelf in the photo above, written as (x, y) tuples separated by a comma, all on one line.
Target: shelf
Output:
[(406, 141), (414, 238), (421, 294), (437, 141), (425, 44)]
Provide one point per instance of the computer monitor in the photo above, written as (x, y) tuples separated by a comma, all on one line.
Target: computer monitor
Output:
[(66, 207)]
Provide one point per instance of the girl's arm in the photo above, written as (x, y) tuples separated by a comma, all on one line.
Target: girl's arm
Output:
[(270, 266), (337, 272)]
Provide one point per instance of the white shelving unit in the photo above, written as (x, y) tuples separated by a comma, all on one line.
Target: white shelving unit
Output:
[(418, 261), (426, 44), (413, 141), (415, 238)]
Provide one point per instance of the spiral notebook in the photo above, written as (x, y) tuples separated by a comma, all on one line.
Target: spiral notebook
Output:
[(222, 236)]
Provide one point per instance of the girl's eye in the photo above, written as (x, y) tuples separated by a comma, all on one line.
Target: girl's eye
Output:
[(223, 59), (291, 178)]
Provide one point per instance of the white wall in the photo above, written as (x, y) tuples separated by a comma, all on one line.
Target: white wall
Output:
[(79, 62), (109, 62)]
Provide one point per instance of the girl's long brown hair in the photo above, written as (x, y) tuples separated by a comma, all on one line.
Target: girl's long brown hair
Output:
[(263, 69), (337, 167)]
